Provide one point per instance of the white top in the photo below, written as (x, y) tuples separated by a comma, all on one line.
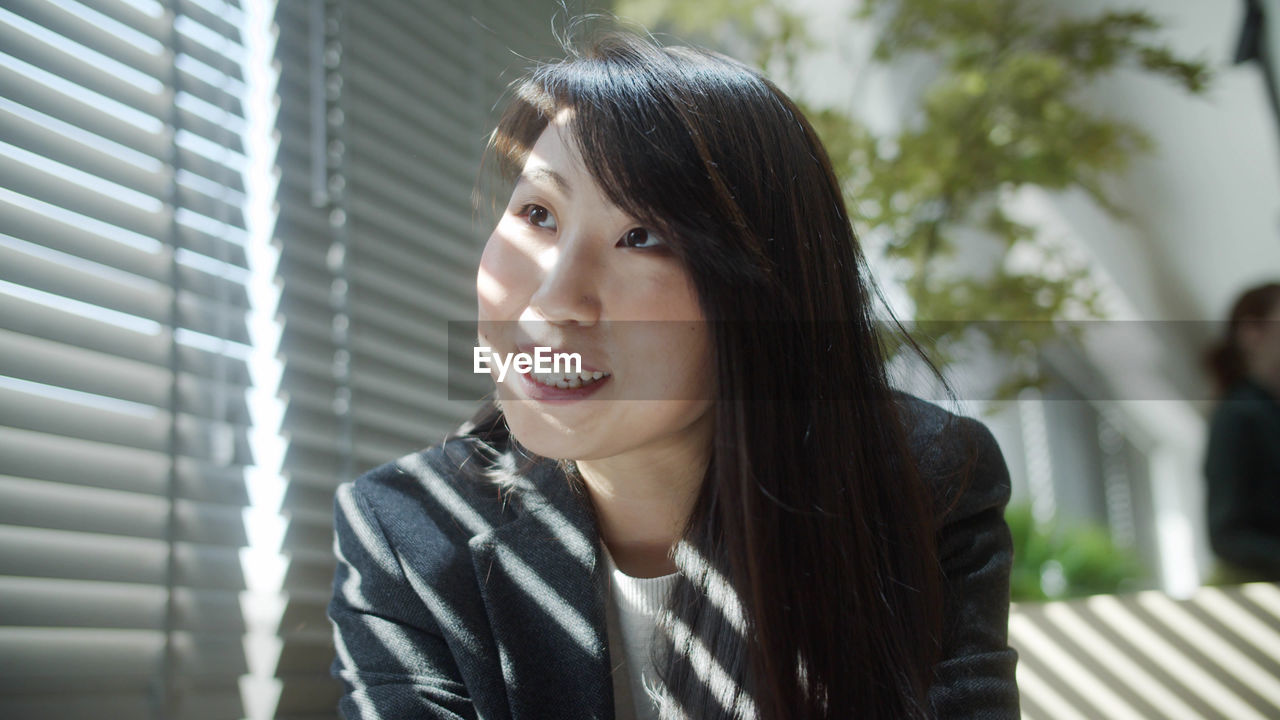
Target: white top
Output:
[(632, 613)]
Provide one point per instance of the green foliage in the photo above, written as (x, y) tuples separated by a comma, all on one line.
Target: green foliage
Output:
[(1051, 563), (1003, 111), (763, 32)]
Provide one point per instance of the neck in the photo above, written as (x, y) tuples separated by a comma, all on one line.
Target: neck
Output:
[(643, 501)]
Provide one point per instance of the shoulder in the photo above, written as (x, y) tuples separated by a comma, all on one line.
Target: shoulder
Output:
[(1242, 434), (944, 443), (957, 457), (1245, 418), (445, 494), (936, 434), (1245, 404), (960, 462)]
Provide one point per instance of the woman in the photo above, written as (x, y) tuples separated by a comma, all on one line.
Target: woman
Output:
[(727, 512), (1242, 465)]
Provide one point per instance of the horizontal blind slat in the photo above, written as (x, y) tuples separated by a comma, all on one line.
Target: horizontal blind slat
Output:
[(35, 552), (37, 360), (60, 506), (134, 97)]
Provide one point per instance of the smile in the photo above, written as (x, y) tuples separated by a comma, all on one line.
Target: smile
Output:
[(567, 381)]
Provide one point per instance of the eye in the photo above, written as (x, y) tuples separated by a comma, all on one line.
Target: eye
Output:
[(538, 216), (640, 238)]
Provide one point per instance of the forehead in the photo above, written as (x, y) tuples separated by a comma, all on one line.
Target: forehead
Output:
[(554, 163), (554, 150)]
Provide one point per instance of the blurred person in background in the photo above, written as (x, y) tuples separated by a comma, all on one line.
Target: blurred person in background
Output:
[(1242, 465)]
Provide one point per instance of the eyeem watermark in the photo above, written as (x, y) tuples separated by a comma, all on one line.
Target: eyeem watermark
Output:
[(541, 361)]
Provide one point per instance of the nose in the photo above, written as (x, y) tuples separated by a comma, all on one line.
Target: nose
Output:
[(569, 292)]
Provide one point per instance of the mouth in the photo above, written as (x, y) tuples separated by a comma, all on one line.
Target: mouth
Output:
[(560, 383), (568, 381), (563, 384), (562, 388)]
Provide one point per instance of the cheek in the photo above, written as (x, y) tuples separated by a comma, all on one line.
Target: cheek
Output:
[(689, 337), (673, 360), (669, 339), (505, 280), (681, 303), (652, 291), (699, 368)]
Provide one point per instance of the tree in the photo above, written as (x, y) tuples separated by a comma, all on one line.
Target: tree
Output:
[(1004, 111)]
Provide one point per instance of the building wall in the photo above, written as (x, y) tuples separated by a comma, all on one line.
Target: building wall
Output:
[(1203, 217)]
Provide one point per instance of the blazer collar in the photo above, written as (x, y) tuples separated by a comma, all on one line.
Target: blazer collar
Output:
[(539, 576)]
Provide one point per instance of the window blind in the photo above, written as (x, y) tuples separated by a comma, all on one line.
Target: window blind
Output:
[(196, 349), (384, 109), (124, 377)]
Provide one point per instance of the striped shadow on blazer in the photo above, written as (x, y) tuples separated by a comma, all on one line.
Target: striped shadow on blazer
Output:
[(470, 583)]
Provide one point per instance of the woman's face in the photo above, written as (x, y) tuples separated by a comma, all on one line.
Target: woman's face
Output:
[(566, 269)]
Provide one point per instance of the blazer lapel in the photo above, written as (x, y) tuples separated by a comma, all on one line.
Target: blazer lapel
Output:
[(538, 578)]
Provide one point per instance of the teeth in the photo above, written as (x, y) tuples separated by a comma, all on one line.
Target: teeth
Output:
[(566, 381)]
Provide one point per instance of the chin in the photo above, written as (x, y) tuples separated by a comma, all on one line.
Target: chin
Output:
[(540, 434)]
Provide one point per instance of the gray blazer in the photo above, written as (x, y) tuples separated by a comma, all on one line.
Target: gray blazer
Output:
[(468, 586)]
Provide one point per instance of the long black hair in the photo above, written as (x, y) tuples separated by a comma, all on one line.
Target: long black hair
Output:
[(810, 584)]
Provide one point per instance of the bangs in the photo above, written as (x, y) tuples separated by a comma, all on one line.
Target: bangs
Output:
[(650, 125)]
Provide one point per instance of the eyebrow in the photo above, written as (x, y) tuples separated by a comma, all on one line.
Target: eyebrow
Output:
[(542, 173)]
